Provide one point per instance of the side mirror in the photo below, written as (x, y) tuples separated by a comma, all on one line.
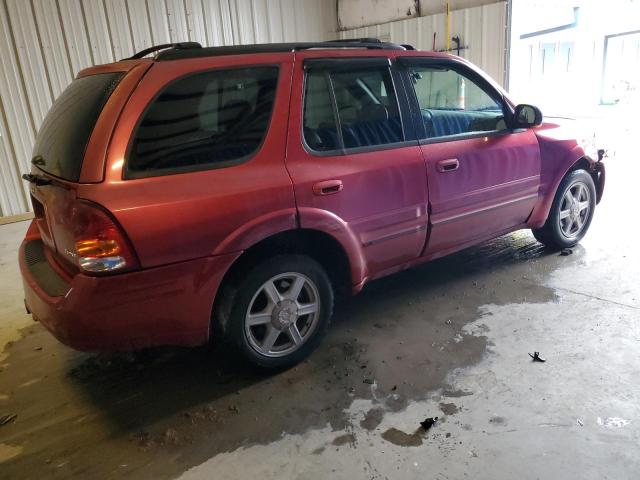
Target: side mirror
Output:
[(527, 116)]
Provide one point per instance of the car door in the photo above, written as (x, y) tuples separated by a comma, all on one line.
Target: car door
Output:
[(356, 166), (483, 177)]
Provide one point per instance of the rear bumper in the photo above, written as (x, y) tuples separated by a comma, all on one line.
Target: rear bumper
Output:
[(169, 305)]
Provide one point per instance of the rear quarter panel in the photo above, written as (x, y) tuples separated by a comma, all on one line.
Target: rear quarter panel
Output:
[(177, 217)]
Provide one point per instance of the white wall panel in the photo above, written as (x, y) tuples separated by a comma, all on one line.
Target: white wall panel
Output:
[(354, 14), (178, 31), (482, 29), (83, 33), (44, 43), (359, 13), (29, 54), (140, 24), (17, 124), (121, 35), (90, 30), (158, 21), (52, 43), (11, 191), (196, 21)]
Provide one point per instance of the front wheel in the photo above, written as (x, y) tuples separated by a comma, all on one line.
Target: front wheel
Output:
[(280, 311), (571, 212)]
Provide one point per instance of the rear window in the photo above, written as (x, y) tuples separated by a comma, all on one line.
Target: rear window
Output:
[(64, 134), (207, 120)]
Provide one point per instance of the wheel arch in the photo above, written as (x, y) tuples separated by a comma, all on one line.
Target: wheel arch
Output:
[(323, 247), (576, 159)]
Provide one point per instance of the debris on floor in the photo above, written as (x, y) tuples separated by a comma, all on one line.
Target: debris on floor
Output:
[(170, 437), (427, 423), (402, 439), (369, 381), (565, 252), (6, 419), (537, 358)]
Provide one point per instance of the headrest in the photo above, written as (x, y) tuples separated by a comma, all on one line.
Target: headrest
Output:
[(233, 111), (373, 113)]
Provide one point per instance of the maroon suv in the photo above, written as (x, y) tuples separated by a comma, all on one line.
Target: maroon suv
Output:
[(231, 192)]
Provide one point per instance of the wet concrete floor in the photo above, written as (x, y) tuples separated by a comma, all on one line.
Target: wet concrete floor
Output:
[(448, 339)]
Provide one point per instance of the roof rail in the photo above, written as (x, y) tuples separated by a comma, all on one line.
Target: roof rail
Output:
[(176, 53), (164, 46), (358, 40)]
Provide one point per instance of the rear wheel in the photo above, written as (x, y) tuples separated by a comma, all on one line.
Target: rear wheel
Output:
[(571, 212), (280, 311)]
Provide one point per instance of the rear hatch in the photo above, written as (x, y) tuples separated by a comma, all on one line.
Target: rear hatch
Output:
[(71, 128)]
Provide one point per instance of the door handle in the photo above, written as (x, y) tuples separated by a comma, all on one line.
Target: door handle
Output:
[(448, 165), (328, 187)]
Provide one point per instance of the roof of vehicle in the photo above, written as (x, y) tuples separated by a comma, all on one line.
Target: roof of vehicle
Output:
[(177, 51)]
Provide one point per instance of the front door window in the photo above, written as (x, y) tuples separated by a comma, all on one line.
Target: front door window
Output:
[(452, 104)]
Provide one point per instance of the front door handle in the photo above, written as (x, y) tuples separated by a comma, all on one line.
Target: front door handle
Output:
[(328, 187), (448, 165)]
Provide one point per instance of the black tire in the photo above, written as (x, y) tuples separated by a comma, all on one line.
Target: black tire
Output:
[(246, 292), (551, 233)]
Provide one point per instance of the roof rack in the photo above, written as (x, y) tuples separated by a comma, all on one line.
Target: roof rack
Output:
[(178, 51), (155, 48), (357, 40)]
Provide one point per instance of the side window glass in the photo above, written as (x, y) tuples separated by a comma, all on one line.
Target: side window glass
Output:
[(319, 121), (367, 107), (365, 112), (452, 104), (206, 120)]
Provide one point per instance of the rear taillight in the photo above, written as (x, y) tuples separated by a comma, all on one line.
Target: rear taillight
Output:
[(100, 245)]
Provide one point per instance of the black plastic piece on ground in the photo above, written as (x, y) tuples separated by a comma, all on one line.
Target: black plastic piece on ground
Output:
[(537, 358), (427, 423)]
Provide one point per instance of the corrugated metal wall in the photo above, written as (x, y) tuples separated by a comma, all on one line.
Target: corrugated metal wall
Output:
[(43, 44), (482, 29)]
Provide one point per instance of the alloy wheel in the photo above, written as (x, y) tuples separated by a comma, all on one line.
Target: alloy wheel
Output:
[(282, 314), (574, 210)]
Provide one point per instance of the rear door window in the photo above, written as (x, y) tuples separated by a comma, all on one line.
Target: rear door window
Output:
[(351, 108), (65, 131), (206, 120)]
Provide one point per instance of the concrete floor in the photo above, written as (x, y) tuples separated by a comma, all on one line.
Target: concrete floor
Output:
[(449, 339)]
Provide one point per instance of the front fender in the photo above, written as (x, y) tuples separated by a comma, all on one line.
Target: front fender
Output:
[(556, 162), (331, 224)]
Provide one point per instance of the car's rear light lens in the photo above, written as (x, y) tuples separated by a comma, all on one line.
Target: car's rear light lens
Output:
[(100, 244)]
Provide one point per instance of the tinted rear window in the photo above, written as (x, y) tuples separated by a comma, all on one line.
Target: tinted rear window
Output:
[(64, 134), (207, 120)]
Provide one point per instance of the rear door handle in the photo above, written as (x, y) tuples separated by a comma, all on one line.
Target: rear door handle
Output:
[(448, 165), (328, 187)]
